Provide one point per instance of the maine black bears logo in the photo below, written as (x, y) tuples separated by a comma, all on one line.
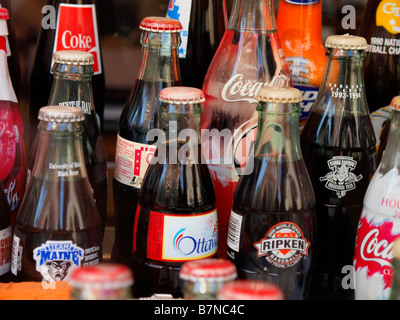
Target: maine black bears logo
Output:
[(58, 269)]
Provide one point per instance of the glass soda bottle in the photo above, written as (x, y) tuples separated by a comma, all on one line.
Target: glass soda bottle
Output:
[(338, 144), (249, 57), (159, 69), (72, 86), (6, 233), (66, 25), (58, 226), (204, 23), (12, 149), (275, 201), (379, 224), (176, 219), (299, 25), (381, 28)]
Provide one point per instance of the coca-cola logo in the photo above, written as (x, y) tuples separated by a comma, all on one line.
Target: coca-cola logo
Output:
[(12, 195), (79, 41), (375, 249)]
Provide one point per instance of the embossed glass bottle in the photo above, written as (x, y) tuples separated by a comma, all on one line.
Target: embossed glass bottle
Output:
[(338, 144)]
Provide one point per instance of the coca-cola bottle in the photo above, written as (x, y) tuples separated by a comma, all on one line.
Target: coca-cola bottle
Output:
[(381, 28), (66, 25), (248, 58), (6, 233), (176, 219), (379, 223), (58, 226), (338, 144), (12, 150), (204, 23), (275, 201), (72, 86), (159, 69)]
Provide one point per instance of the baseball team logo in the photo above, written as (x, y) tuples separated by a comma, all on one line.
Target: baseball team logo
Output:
[(284, 245)]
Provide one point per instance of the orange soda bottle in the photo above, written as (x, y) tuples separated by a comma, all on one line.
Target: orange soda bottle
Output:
[(299, 24)]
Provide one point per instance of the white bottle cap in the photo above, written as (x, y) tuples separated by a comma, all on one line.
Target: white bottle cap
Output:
[(346, 42), (279, 94), (61, 114), (73, 57)]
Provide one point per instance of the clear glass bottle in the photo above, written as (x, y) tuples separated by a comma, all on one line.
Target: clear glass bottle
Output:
[(338, 144), (379, 224), (274, 200), (176, 200), (204, 278), (58, 226), (249, 57), (159, 68)]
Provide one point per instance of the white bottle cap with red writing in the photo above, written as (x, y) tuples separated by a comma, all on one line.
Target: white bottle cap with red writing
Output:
[(211, 270), (250, 290), (160, 24)]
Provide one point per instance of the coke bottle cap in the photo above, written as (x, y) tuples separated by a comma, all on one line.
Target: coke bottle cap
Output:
[(61, 114), (209, 270), (279, 94), (4, 15), (73, 57), (346, 42), (181, 95), (102, 276), (160, 24), (250, 290), (395, 104)]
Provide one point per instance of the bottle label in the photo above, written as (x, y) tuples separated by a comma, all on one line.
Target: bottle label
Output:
[(179, 238), (302, 2), (388, 16), (284, 245), (234, 230), (180, 10), (77, 30), (5, 250), (131, 161), (340, 179)]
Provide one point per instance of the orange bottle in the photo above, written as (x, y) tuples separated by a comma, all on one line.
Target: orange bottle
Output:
[(299, 24)]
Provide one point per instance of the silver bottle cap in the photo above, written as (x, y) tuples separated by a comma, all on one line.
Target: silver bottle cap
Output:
[(346, 42), (73, 57), (279, 94), (61, 114)]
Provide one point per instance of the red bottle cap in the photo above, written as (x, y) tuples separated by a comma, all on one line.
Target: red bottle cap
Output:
[(209, 270), (102, 276), (250, 290), (182, 95), (160, 24), (395, 104), (4, 15)]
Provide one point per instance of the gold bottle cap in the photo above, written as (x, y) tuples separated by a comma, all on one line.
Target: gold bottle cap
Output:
[(61, 114), (346, 42), (279, 94), (73, 57)]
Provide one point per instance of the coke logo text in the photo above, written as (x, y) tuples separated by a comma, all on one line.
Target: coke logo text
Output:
[(12, 198), (374, 250), (79, 41)]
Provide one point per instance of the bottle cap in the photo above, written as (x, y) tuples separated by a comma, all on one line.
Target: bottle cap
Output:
[(279, 94), (395, 104), (61, 114), (181, 95), (209, 270), (102, 276), (4, 15), (161, 24), (73, 57), (346, 42), (250, 290)]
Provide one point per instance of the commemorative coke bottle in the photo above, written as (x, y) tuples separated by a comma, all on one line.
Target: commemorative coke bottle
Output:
[(72, 86), (176, 219), (12, 155), (299, 27), (66, 25), (249, 57), (6, 233), (338, 144), (159, 68), (381, 28), (58, 226), (379, 223), (272, 223), (203, 23)]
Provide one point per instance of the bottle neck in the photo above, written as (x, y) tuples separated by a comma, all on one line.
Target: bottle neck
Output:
[(160, 60), (343, 83), (253, 15), (60, 156), (391, 155), (278, 132), (7, 92), (72, 86)]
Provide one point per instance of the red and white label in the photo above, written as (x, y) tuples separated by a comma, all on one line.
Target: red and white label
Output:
[(131, 161), (77, 30)]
